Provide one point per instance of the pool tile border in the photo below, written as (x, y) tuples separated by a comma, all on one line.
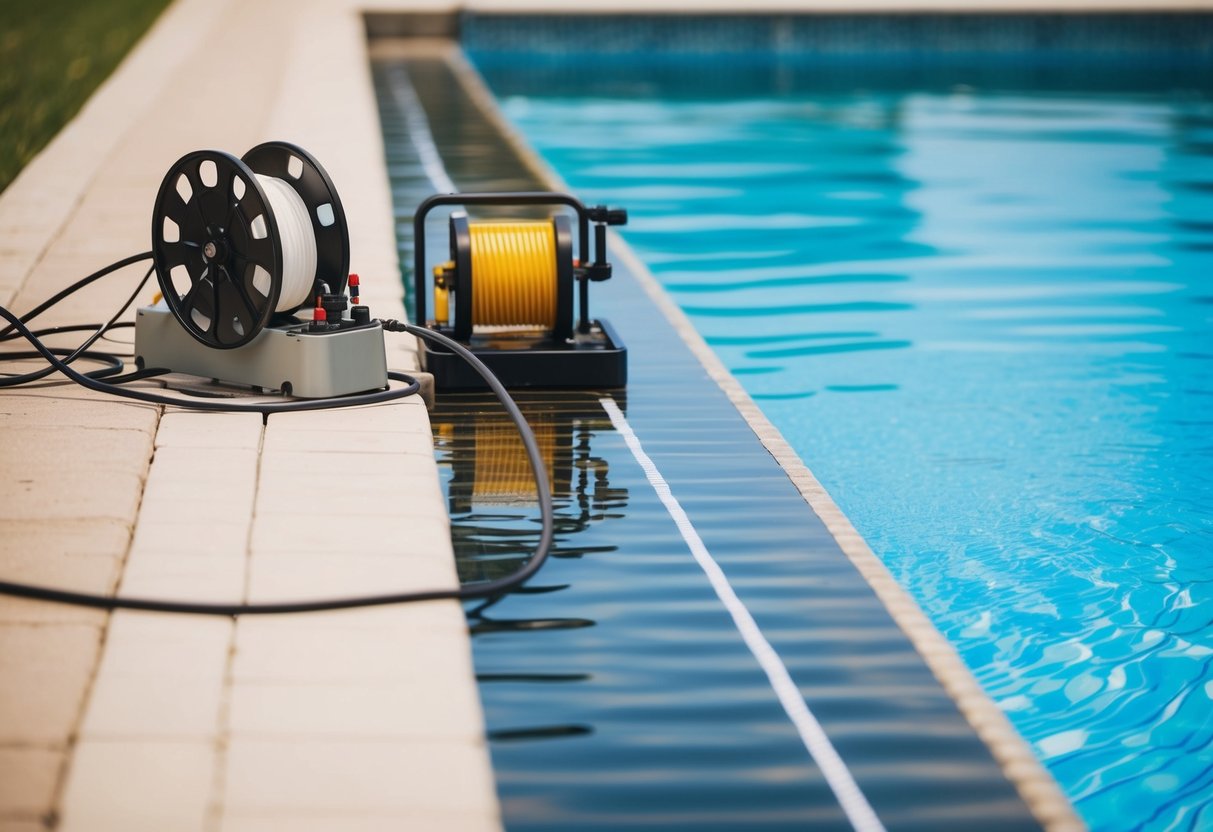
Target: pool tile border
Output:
[(1031, 37)]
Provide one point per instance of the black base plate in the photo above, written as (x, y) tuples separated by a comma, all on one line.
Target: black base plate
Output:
[(595, 359)]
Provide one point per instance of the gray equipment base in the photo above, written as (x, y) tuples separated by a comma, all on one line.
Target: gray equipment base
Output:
[(310, 365)]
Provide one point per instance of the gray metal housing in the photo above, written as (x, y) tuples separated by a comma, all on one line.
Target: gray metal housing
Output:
[(309, 365)]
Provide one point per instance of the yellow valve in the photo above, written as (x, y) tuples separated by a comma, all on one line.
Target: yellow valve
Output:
[(442, 291)]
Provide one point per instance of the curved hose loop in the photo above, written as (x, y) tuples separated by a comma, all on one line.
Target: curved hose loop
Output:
[(115, 364), (7, 333)]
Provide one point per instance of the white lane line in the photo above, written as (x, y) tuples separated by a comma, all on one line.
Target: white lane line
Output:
[(838, 776), (419, 131)]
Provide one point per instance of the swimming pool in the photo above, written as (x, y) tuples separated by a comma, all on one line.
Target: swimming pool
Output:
[(976, 302), (619, 689)]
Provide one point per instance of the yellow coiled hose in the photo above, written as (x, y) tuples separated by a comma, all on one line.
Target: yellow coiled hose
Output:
[(513, 274)]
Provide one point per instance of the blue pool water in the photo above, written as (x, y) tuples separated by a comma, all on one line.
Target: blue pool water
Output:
[(979, 304)]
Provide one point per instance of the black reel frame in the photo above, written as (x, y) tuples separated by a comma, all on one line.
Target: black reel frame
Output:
[(589, 355), (227, 243)]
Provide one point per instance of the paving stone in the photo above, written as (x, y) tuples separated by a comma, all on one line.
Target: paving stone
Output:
[(349, 441), (350, 497), (54, 663), (176, 469), (325, 464), (411, 527), (26, 611), (78, 537), (369, 476), (300, 576), (66, 453), (78, 554), (131, 786), (90, 410), (216, 579), (387, 648), (394, 417), (190, 496), (146, 644), (306, 776), (90, 573), (187, 535), (27, 780), (454, 821), (7, 825), (156, 705), (184, 429), (426, 708), (59, 496)]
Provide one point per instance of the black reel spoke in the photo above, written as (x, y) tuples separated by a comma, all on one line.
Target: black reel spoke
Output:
[(189, 222), (183, 253), (197, 214), (198, 304), (215, 310), (242, 273), (235, 316), (233, 197), (236, 281), (189, 301), (214, 203)]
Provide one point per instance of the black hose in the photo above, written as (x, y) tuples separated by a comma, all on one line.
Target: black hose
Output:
[(80, 351), (7, 333)]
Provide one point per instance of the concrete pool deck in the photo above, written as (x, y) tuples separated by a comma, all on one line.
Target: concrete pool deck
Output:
[(359, 720)]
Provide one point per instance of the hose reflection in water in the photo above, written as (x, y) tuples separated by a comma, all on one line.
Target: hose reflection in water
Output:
[(491, 494), (494, 519)]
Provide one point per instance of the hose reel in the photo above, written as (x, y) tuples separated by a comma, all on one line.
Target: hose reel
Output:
[(236, 241), (508, 290), (241, 244)]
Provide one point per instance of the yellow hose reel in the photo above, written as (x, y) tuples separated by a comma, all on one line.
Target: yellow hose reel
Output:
[(507, 293)]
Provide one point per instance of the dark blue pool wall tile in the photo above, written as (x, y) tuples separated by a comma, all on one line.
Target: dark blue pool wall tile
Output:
[(1140, 37)]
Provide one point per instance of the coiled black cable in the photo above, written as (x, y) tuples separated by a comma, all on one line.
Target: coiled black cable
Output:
[(82, 351), (484, 589)]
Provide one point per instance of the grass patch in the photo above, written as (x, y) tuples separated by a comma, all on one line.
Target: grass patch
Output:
[(53, 54)]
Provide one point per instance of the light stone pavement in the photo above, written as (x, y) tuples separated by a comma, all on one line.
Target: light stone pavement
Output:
[(359, 720)]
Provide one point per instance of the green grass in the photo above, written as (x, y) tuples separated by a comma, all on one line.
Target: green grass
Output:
[(53, 54)]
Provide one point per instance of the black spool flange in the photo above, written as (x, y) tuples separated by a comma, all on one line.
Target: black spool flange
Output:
[(461, 254), (216, 249), (299, 169)]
